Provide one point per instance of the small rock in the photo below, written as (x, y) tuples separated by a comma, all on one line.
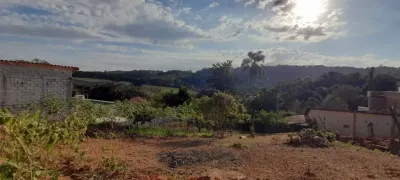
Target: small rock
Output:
[(243, 137)]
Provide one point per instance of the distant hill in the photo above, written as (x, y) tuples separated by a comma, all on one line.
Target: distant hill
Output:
[(197, 80), (149, 90)]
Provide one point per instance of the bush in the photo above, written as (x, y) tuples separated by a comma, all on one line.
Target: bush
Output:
[(137, 111), (222, 110), (269, 122), (312, 138), (287, 113), (27, 139), (173, 99), (114, 92)]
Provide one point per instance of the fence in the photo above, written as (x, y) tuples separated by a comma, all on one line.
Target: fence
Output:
[(353, 124)]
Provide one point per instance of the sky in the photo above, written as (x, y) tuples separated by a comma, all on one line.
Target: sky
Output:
[(193, 34)]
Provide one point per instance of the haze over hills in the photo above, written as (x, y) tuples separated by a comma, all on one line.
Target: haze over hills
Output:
[(197, 80)]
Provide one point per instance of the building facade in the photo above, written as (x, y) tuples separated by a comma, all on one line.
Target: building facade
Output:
[(25, 83)]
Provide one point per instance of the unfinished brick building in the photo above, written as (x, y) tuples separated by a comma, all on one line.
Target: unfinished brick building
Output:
[(23, 83)]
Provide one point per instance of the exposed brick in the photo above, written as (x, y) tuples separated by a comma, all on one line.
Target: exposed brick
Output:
[(26, 85)]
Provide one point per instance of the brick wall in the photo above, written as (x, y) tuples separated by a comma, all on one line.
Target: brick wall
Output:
[(380, 101), (23, 85)]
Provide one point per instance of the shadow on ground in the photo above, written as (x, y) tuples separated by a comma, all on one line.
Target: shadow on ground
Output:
[(185, 143)]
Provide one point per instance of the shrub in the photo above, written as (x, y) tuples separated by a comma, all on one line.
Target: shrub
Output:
[(176, 99), (28, 139), (113, 92), (52, 105), (113, 164), (269, 122), (313, 138), (222, 110), (137, 112)]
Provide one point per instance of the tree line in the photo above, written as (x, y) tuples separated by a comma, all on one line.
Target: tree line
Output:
[(198, 80), (264, 107)]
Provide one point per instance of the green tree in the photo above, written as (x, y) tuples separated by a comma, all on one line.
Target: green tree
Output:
[(222, 110), (137, 112), (384, 83), (370, 84), (349, 94), (298, 107), (222, 77), (176, 99), (253, 65), (190, 115), (269, 122), (39, 61), (267, 99), (331, 102)]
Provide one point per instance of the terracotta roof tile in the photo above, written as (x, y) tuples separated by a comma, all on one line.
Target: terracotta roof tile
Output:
[(39, 65)]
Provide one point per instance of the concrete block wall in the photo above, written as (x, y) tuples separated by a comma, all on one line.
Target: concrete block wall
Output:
[(345, 123), (24, 85)]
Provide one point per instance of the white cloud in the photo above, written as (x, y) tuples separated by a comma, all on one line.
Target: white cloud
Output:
[(184, 10), (285, 26), (229, 28), (114, 48), (122, 20), (277, 56), (198, 17), (249, 3), (150, 22), (213, 5)]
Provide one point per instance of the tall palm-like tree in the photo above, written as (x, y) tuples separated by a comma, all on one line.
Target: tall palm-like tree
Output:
[(371, 79), (331, 102), (253, 65)]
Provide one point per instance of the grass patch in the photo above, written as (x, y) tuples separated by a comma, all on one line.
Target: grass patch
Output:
[(161, 89), (347, 145), (163, 132)]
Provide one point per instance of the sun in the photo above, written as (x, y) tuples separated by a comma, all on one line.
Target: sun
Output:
[(309, 10)]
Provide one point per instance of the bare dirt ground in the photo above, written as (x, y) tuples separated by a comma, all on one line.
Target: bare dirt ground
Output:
[(265, 157)]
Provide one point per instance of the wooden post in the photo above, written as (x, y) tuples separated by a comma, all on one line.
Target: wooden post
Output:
[(354, 126)]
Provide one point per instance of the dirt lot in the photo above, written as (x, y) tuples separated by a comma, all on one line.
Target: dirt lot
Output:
[(265, 157)]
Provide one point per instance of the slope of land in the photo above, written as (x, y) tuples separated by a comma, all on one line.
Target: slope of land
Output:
[(265, 157)]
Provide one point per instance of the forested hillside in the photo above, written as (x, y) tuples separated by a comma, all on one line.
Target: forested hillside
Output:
[(198, 79)]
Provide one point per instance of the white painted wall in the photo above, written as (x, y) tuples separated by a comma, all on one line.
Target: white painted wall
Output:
[(339, 122), (381, 125), (342, 123)]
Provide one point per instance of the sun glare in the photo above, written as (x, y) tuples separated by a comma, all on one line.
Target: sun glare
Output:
[(309, 10)]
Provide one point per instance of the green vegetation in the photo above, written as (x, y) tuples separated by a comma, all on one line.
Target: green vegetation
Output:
[(169, 107), (253, 65), (269, 122), (312, 138), (222, 78), (28, 138)]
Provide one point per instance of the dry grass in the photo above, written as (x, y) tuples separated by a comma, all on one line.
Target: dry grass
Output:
[(265, 157)]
